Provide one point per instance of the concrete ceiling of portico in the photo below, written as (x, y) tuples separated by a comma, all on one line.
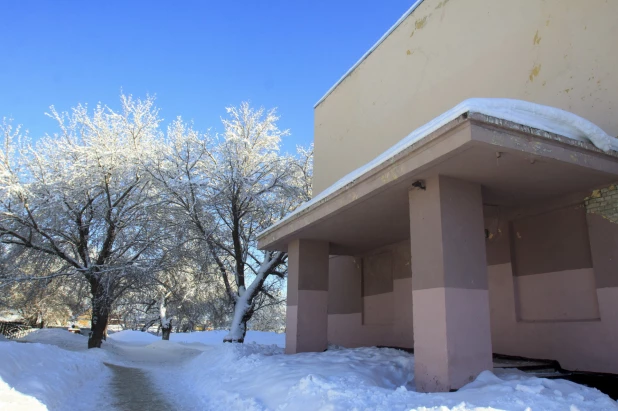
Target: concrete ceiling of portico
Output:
[(515, 165)]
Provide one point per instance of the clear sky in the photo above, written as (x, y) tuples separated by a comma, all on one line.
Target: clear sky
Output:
[(196, 57)]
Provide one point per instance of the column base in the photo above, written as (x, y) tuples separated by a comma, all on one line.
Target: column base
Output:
[(307, 323), (455, 343)]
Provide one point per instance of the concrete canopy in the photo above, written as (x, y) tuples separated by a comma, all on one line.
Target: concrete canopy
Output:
[(515, 165)]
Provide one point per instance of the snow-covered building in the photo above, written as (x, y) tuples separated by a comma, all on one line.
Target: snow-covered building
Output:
[(490, 227)]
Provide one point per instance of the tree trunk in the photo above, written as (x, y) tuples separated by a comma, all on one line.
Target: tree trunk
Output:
[(238, 328), (244, 303), (101, 307), (100, 316), (166, 331), (165, 323)]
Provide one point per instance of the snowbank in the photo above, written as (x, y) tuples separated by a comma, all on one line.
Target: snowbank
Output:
[(11, 399), (198, 371), (551, 119), (216, 337), (131, 336), (59, 337), (254, 377), (202, 337), (42, 376)]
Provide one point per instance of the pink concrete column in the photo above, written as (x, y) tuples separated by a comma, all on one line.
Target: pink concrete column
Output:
[(452, 339), (307, 300)]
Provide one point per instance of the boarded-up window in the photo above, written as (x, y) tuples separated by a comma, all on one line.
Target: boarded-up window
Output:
[(550, 242), (552, 264), (378, 274), (378, 289), (344, 285)]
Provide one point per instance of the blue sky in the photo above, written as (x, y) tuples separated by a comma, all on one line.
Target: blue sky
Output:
[(196, 57)]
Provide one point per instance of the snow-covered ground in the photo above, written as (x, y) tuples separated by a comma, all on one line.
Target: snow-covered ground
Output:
[(44, 376), (206, 337), (195, 372)]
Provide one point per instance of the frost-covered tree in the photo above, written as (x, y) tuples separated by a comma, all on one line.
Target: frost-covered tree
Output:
[(271, 314), (173, 288), (50, 298), (81, 198), (253, 185), (227, 189), (161, 227), (50, 301)]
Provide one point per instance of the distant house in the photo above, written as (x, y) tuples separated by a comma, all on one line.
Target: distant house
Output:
[(485, 234), (83, 320)]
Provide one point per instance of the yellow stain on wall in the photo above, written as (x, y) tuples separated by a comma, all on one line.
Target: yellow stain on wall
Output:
[(441, 4), (537, 38), (420, 23), (534, 72)]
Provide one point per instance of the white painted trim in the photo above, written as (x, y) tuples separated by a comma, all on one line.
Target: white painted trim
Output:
[(375, 46)]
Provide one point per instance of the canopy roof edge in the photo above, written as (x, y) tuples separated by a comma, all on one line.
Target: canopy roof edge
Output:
[(445, 143)]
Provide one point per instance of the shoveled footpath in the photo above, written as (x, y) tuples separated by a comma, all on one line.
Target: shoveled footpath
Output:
[(127, 373), (133, 391), (134, 385)]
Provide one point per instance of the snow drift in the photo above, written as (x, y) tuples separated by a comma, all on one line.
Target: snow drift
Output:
[(254, 377), (202, 337), (59, 337), (193, 374), (131, 336), (42, 376)]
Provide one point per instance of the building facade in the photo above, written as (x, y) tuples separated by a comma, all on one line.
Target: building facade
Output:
[(483, 235)]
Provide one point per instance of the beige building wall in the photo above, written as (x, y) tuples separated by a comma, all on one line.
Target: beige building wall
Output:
[(370, 298), (560, 53), (553, 285)]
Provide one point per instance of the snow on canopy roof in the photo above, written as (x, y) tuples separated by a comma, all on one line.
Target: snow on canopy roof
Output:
[(550, 119), (375, 46)]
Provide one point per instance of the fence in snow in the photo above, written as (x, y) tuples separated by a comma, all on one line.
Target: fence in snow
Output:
[(15, 330)]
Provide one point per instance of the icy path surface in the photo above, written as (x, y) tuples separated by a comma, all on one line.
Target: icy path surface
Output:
[(133, 391)]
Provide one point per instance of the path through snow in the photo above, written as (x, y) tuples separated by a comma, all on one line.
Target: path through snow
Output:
[(133, 391)]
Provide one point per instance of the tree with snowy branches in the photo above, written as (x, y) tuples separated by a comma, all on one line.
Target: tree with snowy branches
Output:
[(115, 201), (227, 189), (253, 185), (82, 199)]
